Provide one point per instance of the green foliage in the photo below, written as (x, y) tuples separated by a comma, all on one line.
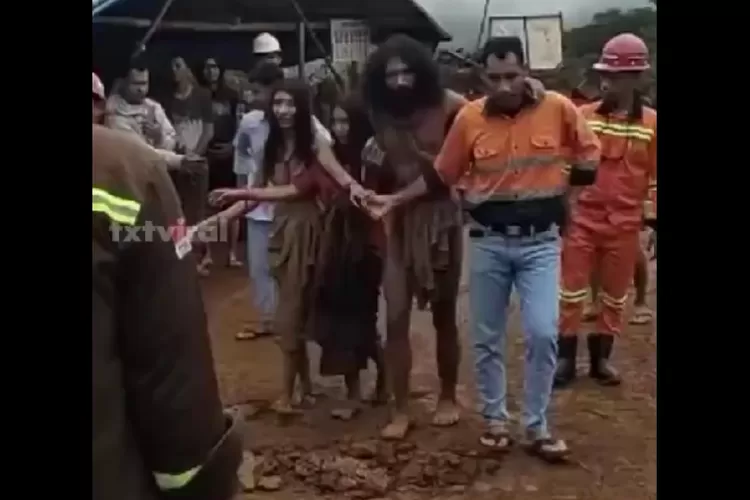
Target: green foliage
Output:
[(582, 46)]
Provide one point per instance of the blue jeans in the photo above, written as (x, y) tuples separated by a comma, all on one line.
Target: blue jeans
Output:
[(532, 264), (264, 286)]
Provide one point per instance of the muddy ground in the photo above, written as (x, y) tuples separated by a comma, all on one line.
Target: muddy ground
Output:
[(612, 431)]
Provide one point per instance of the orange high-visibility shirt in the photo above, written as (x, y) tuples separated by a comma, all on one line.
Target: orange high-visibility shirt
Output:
[(626, 179), (498, 158)]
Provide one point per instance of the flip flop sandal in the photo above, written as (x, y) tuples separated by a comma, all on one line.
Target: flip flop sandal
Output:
[(251, 335), (642, 317), (548, 449), (234, 262), (496, 441)]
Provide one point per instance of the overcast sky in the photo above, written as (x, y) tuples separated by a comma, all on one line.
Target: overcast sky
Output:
[(461, 17)]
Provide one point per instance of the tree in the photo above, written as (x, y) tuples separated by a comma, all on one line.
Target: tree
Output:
[(583, 45)]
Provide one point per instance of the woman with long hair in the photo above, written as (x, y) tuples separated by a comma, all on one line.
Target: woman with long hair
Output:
[(301, 248), (351, 269)]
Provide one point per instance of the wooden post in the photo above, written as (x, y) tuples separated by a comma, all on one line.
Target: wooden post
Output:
[(302, 32)]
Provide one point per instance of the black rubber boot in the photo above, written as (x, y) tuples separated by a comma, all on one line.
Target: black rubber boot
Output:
[(600, 348), (567, 348)]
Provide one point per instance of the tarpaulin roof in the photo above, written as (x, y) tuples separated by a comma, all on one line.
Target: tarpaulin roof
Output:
[(401, 13), (98, 6)]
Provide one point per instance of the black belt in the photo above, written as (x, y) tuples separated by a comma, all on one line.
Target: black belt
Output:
[(510, 230)]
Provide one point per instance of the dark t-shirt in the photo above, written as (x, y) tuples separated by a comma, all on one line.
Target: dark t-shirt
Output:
[(189, 115), (224, 106)]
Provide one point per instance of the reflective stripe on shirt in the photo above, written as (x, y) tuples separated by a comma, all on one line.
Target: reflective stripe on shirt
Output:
[(167, 482), (118, 209), (619, 130), (474, 198)]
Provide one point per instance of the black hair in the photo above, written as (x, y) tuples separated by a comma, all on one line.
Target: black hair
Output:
[(428, 91), (304, 149), (360, 130), (501, 46), (200, 74), (266, 74), (137, 63)]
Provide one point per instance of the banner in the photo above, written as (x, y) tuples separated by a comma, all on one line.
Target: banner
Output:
[(541, 38), (350, 40), (545, 42)]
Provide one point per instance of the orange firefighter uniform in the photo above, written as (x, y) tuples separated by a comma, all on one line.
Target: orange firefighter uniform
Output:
[(603, 235), (158, 429)]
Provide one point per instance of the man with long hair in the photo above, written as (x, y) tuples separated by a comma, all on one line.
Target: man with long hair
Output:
[(603, 237), (410, 112)]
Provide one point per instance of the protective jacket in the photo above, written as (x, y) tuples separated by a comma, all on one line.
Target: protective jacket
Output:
[(158, 429)]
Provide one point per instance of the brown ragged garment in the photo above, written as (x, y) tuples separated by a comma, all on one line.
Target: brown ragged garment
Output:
[(426, 237), (346, 292), (292, 252)]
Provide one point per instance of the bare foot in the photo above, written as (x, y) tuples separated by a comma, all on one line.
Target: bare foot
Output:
[(284, 408), (306, 400), (447, 413), (397, 428)]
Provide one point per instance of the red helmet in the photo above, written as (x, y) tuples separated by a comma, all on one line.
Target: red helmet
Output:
[(625, 52), (97, 87)]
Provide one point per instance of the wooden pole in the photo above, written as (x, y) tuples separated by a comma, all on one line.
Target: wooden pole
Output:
[(301, 33)]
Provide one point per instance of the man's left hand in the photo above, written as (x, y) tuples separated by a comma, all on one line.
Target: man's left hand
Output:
[(536, 86)]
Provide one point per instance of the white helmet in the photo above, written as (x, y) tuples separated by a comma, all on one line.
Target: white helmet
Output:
[(266, 43)]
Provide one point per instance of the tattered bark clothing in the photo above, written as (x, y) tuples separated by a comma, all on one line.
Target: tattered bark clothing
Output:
[(425, 239), (292, 253), (346, 290)]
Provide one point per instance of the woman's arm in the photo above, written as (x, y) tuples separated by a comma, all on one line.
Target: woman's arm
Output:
[(273, 193)]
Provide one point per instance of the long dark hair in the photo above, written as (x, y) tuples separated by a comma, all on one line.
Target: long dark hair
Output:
[(304, 150), (200, 75), (360, 130), (428, 91)]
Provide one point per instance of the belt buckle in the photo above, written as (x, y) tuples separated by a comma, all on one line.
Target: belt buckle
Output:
[(514, 231)]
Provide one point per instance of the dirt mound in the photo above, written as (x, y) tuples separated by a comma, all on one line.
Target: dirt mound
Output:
[(370, 469)]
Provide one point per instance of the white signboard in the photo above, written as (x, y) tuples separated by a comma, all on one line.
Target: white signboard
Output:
[(541, 37), (545, 42), (509, 27), (350, 40)]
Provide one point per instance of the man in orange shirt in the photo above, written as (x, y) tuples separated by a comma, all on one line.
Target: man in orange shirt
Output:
[(608, 217), (507, 155)]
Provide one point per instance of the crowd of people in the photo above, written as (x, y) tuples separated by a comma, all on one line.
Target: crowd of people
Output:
[(553, 196)]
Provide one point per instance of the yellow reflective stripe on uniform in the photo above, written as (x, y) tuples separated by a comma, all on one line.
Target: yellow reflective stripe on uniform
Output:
[(514, 195), (620, 130), (167, 482), (613, 302), (495, 164), (573, 297), (118, 209)]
